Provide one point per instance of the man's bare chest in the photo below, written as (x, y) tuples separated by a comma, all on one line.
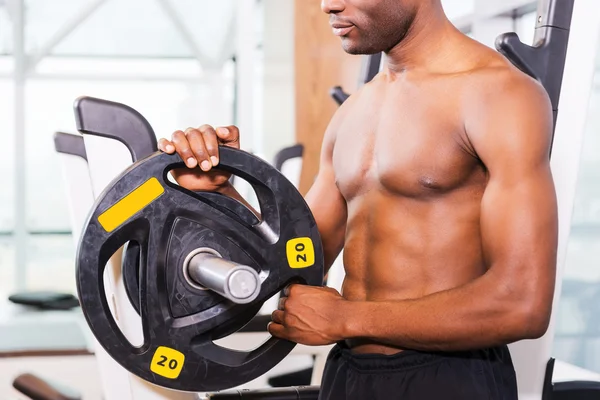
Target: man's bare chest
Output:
[(415, 152)]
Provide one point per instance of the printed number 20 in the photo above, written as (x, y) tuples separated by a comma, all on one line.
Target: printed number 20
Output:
[(167, 362), (172, 363), (300, 253), (300, 247)]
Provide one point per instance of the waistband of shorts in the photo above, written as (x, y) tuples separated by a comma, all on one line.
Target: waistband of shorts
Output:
[(408, 359)]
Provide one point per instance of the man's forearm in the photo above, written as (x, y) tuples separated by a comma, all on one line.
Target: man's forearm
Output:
[(473, 316)]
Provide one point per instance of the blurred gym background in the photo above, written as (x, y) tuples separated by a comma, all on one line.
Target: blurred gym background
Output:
[(183, 63)]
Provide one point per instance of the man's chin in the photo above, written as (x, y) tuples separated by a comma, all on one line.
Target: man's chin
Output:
[(351, 47)]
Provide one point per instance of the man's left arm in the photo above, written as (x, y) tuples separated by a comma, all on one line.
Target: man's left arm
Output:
[(513, 299)]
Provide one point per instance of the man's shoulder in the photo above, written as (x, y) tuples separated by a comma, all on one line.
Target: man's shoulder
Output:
[(503, 104), (498, 81)]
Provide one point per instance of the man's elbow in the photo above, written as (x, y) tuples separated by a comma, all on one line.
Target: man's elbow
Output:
[(524, 301), (535, 322), (524, 309), (529, 318)]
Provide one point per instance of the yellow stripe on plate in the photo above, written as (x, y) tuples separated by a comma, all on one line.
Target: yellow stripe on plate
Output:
[(129, 205)]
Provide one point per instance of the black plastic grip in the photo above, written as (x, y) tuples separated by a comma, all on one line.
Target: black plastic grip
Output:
[(286, 154), (67, 143), (338, 94), (116, 121), (545, 60)]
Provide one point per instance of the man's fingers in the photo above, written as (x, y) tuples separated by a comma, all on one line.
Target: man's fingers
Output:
[(288, 289), (277, 316), (200, 147), (182, 146), (166, 146), (211, 143), (277, 330), (196, 140), (281, 305), (229, 136)]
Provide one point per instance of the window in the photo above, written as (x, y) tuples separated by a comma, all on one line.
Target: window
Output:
[(167, 104), (171, 65)]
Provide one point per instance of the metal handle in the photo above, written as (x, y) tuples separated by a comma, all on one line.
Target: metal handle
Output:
[(236, 282)]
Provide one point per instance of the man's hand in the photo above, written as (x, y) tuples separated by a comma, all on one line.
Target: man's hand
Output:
[(199, 148), (310, 315)]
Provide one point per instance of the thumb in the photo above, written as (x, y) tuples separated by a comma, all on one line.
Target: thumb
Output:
[(229, 136)]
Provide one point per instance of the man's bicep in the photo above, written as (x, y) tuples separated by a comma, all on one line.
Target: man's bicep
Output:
[(518, 211), (519, 240), (519, 224)]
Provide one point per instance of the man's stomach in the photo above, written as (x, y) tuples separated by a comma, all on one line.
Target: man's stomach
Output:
[(404, 258)]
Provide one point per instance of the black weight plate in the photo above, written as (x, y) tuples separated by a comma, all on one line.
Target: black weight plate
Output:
[(141, 205)]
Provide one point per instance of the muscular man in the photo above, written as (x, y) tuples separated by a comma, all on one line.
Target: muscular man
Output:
[(435, 180)]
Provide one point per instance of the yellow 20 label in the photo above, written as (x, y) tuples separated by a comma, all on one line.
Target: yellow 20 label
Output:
[(300, 253), (167, 362)]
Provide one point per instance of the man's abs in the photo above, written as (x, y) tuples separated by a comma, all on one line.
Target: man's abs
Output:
[(400, 247)]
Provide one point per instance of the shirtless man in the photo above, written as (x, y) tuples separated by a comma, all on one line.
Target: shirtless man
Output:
[(435, 180)]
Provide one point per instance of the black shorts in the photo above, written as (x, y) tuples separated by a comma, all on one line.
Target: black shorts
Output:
[(414, 375)]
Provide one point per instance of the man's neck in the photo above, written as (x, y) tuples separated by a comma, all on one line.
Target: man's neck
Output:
[(425, 45)]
